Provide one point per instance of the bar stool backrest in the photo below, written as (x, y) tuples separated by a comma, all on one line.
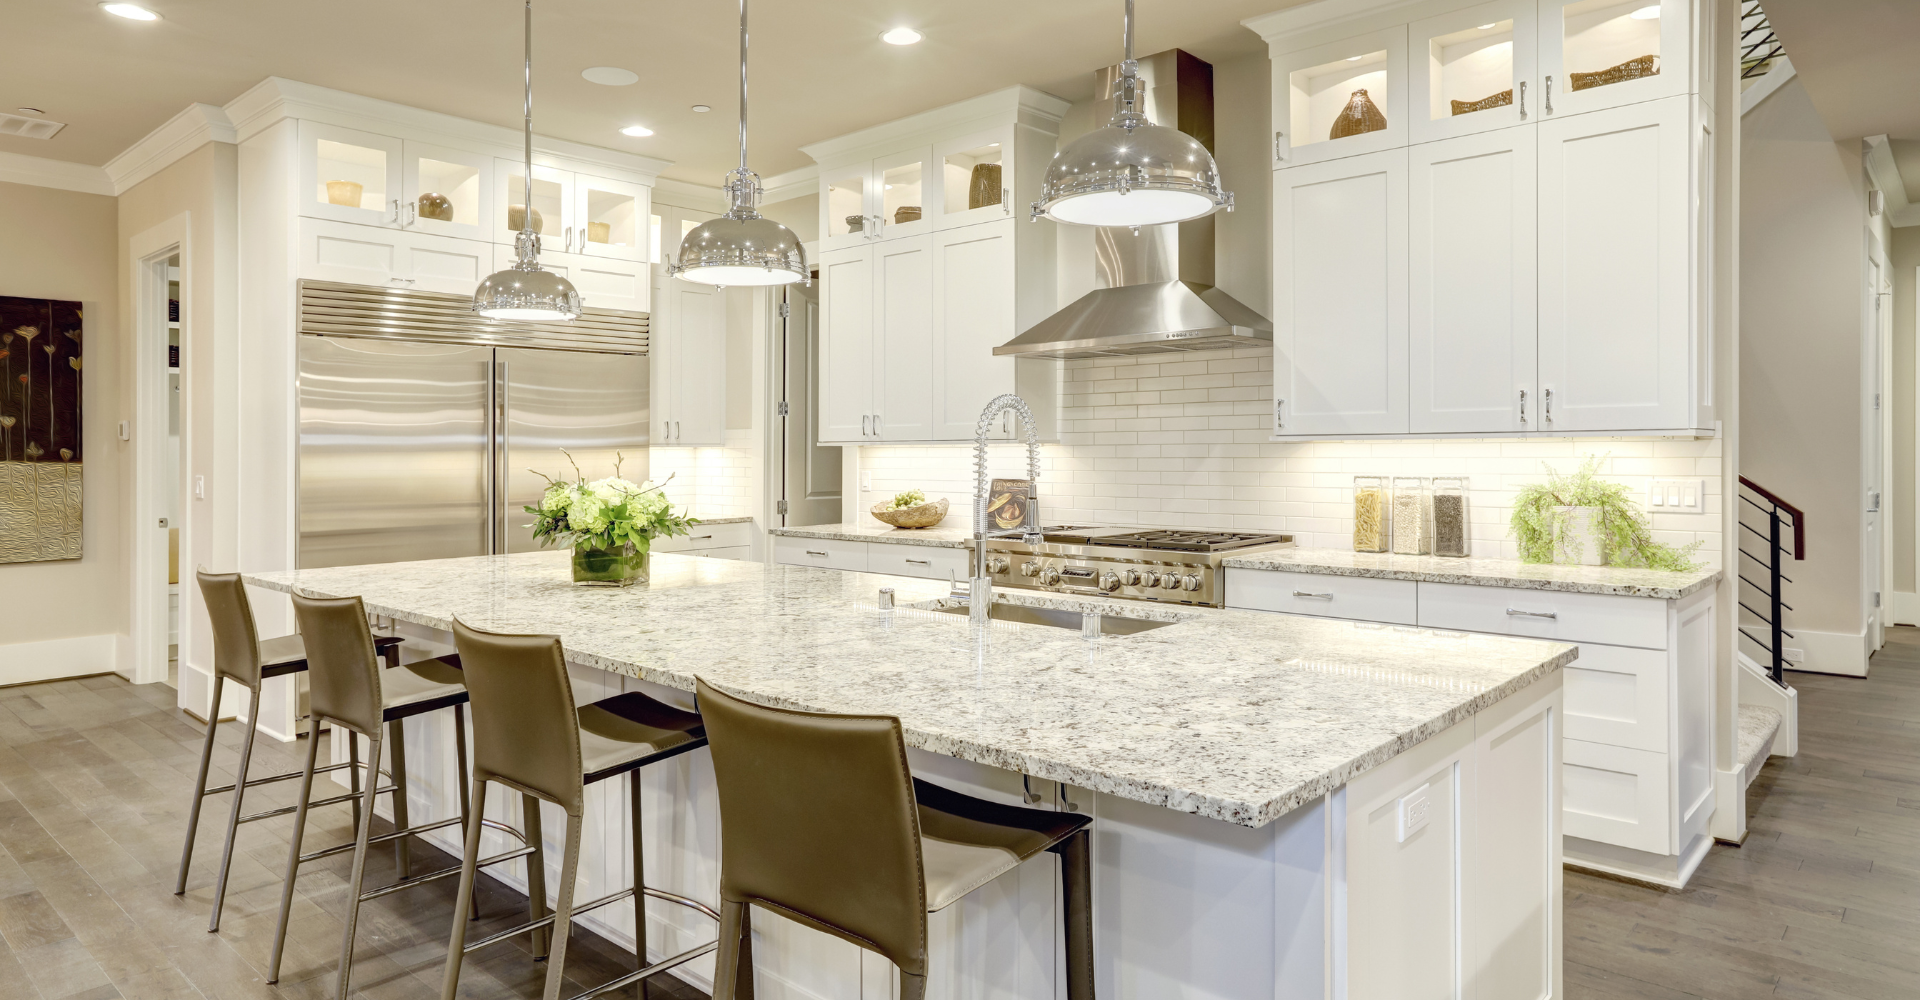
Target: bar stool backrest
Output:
[(236, 646), (820, 822), (343, 672), (525, 732)]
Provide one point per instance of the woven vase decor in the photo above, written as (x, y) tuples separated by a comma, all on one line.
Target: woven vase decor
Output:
[(905, 214), (1358, 117), (983, 188), (1500, 100), (1632, 69)]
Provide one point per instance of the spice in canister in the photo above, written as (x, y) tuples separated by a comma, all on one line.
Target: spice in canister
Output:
[(1412, 507), (1369, 514), (1450, 516)]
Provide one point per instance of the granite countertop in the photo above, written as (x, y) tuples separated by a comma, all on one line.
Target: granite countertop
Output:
[(1655, 583), (1234, 715), (945, 535), (726, 520)]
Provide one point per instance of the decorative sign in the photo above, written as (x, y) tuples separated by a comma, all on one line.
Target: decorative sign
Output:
[(40, 451), (1011, 504)]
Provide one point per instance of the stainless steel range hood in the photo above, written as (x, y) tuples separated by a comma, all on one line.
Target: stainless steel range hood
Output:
[(1157, 293)]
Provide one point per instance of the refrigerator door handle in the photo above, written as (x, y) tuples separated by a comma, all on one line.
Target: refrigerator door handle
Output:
[(504, 460)]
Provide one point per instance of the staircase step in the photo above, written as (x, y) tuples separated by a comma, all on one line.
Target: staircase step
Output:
[(1758, 726)]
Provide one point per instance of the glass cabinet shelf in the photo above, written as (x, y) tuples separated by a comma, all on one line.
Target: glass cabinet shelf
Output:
[(971, 178), (1470, 70), (351, 176), (549, 203), (900, 200), (1605, 42), (611, 218), (847, 205), (1340, 99), (449, 192)]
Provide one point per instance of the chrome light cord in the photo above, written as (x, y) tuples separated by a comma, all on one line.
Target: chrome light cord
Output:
[(526, 213)]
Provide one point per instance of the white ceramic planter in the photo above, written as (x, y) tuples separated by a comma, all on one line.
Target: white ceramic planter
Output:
[(1576, 536)]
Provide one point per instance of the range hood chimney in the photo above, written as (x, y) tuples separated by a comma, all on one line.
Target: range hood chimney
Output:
[(1157, 294)]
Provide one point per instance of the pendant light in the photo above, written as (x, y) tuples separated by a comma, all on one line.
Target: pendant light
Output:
[(526, 291), (741, 247), (1132, 172)]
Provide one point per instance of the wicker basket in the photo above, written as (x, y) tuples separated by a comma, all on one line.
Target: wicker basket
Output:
[(1632, 69), (924, 515), (1500, 100)]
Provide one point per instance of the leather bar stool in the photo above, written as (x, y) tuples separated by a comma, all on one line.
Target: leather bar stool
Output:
[(350, 692), (529, 736), (241, 656), (823, 823)]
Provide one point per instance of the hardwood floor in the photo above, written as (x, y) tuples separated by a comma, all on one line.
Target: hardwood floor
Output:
[(1823, 900), (94, 781)]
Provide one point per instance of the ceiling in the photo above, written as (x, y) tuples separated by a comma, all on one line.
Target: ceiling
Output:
[(1859, 61), (819, 68)]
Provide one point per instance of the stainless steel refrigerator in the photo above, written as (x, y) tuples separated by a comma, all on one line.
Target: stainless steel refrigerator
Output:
[(423, 433)]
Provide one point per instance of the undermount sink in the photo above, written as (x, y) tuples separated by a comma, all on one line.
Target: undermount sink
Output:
[(1056, 618)]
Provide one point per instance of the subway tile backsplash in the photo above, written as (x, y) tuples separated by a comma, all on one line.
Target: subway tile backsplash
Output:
[(1180, 440), (709, 482)]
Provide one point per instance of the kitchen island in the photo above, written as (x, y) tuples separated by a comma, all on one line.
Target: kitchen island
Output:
[(1284, 806)]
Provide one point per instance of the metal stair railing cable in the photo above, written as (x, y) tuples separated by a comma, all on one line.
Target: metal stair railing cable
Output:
[(1759, 46), (1778, 514)]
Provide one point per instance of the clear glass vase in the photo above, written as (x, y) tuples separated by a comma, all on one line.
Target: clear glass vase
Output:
[(619, 567)]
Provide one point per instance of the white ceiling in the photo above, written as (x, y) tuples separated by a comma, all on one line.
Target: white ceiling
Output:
[(1859, 61), (819, 68)]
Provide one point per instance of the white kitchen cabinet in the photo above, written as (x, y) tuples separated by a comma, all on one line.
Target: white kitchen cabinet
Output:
[(1465, 63), (976, 179), (973, 305), (390, 257), (1581, 41), (902, 307), (1356, 598), (349, 175), (1617, 270), (1313, 87), (849, 346), (576, 212), (878, 198), (688, 344), (1471, 311), (602, 283), (1340, 296), (731, 540), (445, 190), (826, 553)]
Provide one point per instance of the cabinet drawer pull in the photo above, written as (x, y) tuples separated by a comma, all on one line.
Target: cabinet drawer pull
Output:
[(1317, 597), (1523, 100), (695, 538), (921, 562), (866, 425), (1549, 95), (1517, 613), (816, 552)]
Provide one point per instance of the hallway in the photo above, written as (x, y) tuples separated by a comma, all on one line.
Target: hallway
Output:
[(1823, 900)]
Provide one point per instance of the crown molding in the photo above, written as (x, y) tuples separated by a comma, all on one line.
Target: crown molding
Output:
[(1279, 25), (275, 98), (681, 194), (185, 132), (1022, 104), (792, 184), (38, 171)]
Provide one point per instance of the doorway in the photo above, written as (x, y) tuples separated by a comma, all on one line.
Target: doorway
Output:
[(167, 471), (809, 474), (1878, 540)]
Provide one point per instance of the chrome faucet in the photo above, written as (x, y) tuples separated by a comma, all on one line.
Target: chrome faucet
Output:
[(980, 588)]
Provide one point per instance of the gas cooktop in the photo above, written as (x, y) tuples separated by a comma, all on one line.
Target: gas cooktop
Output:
[(1163, 539), (1152, 564)]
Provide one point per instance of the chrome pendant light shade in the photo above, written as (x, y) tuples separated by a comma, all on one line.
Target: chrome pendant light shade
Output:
[(526, 291), (1131, 172), (741, 247)]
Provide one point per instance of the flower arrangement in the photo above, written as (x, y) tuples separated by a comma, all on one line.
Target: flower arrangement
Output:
[(1621, 527), (610, 523)]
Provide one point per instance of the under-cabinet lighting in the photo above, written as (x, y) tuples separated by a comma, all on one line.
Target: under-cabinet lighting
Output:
[(636, 131), (1483, 27), (901, 36), (130, 11), (1646, 13), (1354, 58)]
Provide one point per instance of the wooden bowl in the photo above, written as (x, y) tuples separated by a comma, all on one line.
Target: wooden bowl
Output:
[(924, 515)]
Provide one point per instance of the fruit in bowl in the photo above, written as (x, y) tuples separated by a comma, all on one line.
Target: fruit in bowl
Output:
[(911, 509)]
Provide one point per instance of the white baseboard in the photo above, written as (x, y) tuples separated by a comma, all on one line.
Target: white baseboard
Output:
[(52, 659), (1905, 608), (1755, 687), (1843, 653)]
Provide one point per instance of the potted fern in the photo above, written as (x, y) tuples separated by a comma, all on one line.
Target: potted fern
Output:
[(1582, 519), (611, 524)]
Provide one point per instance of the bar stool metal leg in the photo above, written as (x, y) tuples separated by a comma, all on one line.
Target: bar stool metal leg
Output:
[(397, 759), (199, 788), (353, 772), (233, 816), (536, 872), (466, 800), (1076, 890), (733, 966), (293, 849), (639, 871), (358, 878), (469, 869), (563, 909)]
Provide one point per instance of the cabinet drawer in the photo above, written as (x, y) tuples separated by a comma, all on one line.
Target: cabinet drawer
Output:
[(1615, 795), (1356, 597), (916, 560), (1546, 614), (1618, 695), (827, 553), (705, 536)]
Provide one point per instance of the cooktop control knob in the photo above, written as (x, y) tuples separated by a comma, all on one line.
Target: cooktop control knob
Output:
[(1131, 577), (1150, 579), (1050, 577), (1109, 581), (1170, 580), (1190, 582), (996, 564), (1029, 569)]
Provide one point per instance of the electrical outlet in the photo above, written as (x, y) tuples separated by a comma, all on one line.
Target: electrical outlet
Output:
[(1794, 655), (199, 487), (1677, 496), (1411, 815), (866, 480)]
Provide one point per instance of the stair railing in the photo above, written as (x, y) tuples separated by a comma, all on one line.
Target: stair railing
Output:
[(1778, 514)]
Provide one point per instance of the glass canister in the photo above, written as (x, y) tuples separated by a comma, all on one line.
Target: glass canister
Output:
[(1370, 529), (1412, 516), (1450, 516)]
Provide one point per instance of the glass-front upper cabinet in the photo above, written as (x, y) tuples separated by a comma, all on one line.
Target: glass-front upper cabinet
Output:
[(1474, 70), (349, 175), (975, 177), (902, 193), (446, 191), (849, 221), (1605, 53), (609, 218), (1341, 99), (553, 203), (878, 199)]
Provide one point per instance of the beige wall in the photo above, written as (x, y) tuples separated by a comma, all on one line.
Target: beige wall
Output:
[(802, 215), (1905, 255), (1802, 281), (60, 245), (201, 185)]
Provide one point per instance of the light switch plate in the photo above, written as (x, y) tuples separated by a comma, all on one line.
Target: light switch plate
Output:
[(1411, 816), (1677, 496)]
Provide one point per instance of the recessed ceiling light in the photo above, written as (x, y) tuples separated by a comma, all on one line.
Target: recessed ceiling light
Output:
[(1646, 13), (636, 130), (901, 36), (701, 108), (609, 76), (30, 111), (132, 12)]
